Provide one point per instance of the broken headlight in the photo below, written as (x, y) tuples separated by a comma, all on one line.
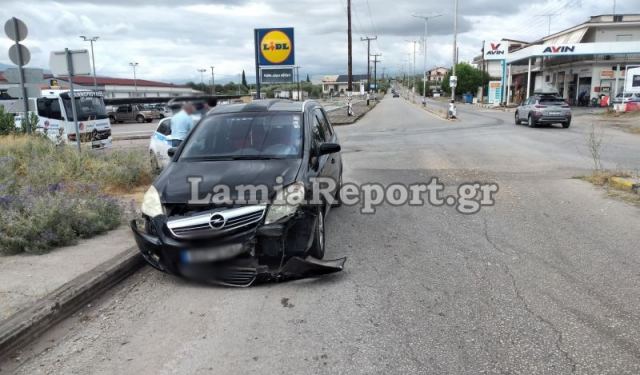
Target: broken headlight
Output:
[(286, 202), (151, 205)]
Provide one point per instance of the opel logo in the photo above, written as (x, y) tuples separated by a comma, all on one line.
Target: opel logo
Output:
[(217, 221)]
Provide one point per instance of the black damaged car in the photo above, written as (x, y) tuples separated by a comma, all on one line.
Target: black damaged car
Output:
[(235, 204)]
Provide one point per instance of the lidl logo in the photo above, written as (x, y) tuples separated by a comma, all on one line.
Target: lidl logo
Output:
[(275, 46)]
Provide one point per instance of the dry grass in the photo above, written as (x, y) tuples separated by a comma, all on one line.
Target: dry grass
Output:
[(601, 178)]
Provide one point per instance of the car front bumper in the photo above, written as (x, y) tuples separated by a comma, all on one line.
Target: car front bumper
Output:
[(271, 252)]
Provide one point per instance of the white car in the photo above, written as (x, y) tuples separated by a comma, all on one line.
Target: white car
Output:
[(161, 142)]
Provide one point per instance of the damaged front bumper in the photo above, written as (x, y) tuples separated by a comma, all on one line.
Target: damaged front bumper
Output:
[(262, 253)]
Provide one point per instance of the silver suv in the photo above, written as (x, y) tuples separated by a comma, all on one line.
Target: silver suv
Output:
[(544, 109)]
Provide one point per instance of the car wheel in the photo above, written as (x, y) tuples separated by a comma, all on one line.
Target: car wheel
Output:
[(112, 119), (149, 119), (517, 119), (531, 122), (566, 124), (140, 118), (317, 247)]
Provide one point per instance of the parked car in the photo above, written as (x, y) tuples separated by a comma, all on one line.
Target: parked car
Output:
[(161, 142), (544, 109), (396, 95), (133, 112), (626, 98), (280, 146)]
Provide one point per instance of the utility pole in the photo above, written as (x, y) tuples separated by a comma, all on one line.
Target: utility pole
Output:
[(375, 69), (297, 81), (135, 79), (548, 15), (368, 39), (93, 59), (413, 71), (349, 58), (455, 46), (424, 45), (213, 81), (614, 7)]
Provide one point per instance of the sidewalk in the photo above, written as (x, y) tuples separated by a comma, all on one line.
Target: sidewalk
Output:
[(339, 116), (26, 279)]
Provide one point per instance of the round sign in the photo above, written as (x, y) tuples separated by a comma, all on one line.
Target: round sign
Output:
[(13, 54), (10, 29), (275, 46)]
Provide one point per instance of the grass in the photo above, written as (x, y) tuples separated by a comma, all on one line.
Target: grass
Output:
[(602, 177), (52, 195)]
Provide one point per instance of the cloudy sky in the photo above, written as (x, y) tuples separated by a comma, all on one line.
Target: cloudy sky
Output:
[(171, 39)]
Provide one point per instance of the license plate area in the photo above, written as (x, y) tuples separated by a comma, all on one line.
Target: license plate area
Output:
[(213, 254)]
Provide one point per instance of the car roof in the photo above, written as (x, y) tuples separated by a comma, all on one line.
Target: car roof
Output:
[(263, 105)]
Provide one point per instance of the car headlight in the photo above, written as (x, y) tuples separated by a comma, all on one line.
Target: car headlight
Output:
[(151, 205), (286, 202)]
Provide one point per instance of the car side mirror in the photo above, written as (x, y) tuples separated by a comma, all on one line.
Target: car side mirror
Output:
[(171, 151), (328, 148)]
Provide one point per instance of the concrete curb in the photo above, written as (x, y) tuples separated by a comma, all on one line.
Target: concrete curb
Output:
[(353, 119), (26, 325), (627, 184), (130, 137)]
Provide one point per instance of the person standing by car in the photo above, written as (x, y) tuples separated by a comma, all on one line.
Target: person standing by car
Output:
[(182, 122)]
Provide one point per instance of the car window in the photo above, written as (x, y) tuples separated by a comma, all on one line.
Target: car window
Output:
[(49, 108), (550, 100), (317, 130), (164, 127), (122, 109), (246, 135), (324, 124)]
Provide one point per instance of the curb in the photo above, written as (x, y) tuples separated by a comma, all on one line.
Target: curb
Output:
[(353, 119), (622, 183), (130, 137), (26, 325)]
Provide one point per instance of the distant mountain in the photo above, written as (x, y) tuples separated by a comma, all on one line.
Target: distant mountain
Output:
[(4, 67)]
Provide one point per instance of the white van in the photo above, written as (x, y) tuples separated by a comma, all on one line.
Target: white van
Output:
[(56, 120)]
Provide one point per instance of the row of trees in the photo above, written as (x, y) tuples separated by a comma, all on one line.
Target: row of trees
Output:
[(232, 88), (469, 79)]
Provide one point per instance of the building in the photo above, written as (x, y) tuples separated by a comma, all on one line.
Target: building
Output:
[(335, 85), (581, 63), (494, 67), (437, 74), (113, 87), (290, 94)]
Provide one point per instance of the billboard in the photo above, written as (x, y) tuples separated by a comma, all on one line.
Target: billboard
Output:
[(632, 80), (496, 50), (276, 75), (275, 46), (495, 92)]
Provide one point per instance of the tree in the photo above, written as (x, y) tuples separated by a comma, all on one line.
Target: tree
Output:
[(244, 79), (469, 79), (308, 79)]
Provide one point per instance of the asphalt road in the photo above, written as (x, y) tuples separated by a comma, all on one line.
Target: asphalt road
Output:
[(544, 282)]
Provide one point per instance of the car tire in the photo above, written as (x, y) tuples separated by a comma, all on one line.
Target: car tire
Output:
[(517, 119), (149, 120), (112, 119), (566, 124), (317, 247), (531, 122), (140, 118)]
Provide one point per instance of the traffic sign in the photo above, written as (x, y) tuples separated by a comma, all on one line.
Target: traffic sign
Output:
[(79, 59), (13, 54), (16, 92), (13, 25), (453, 81), (31, 75)]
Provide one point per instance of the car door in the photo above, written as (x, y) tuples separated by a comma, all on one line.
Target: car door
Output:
[(318, 164), (163, 142)]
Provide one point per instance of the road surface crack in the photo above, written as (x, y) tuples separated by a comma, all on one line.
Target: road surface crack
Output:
[(559, 337)]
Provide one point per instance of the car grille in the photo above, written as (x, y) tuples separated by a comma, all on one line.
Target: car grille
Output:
[(215, 223)]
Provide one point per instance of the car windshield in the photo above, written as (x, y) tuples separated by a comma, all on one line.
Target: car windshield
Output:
[(551, 100), (88, 108), (246, 136)]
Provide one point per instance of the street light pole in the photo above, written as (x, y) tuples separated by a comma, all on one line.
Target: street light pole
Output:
[(93, 59), (202, 71), (424, 45), (213, 82), (455, 47), (135, 79)]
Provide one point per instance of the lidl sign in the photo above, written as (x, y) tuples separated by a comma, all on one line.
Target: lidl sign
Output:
[(275, 46)]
